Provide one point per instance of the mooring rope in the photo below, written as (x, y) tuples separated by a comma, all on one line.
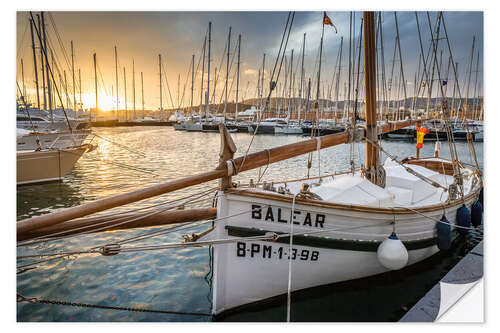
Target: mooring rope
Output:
[(289, 291)]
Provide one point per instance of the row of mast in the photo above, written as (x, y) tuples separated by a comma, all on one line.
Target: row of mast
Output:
[(48, 98)]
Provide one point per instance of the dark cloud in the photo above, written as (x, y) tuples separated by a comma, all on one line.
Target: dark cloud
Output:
[(178, 35)]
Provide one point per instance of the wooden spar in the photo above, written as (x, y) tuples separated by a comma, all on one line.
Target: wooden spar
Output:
[(115, 201), (370, 90), (227, 150), (251, 161), (106, 223)]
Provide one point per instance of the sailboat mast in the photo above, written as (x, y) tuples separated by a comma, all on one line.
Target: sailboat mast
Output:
[(192, 83), (133, 86), (42, 69), (227, 69), (34, 64), (301, 86), (370, 93), (237, 77), (95, 83), (319, 66), (116, 79), (80, 87), (47, 71), (337, 81), (125, 92), (207, 110), (475, 89), (66, 89), (73, 74), (142, 91), (22, 76), (161, 106), (202, 75), (350, 67), (290, 84), (262, 80), (400, 61), (468, 80)]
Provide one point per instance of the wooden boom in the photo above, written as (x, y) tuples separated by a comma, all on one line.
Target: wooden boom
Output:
[(252, 161), (107, 223)]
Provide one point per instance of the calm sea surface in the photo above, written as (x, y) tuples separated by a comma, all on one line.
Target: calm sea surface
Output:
[(177, 279)]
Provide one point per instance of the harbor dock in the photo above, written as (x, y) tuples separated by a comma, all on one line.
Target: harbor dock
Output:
[(468, 270)]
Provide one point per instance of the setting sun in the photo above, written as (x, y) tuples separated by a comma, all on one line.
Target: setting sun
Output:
[(106, 103)]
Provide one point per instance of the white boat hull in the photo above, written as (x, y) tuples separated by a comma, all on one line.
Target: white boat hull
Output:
[(52, 140), (46, 165), (250, 271)]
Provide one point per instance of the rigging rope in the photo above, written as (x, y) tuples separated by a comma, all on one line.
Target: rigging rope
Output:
[(273, 83)]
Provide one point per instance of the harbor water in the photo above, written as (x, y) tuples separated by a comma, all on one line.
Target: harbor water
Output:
[(128, 158)]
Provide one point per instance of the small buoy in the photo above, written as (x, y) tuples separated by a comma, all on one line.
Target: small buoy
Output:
[(392, 253), (476, 214), (463, 220), (443, 234)]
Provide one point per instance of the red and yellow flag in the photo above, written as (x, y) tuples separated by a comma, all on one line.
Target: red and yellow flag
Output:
[(327, 21), (421, 132)]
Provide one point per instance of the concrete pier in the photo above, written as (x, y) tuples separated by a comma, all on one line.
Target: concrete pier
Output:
[(468, 270)]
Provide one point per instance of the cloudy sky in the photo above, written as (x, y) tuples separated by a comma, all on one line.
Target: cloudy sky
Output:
[(141, 36)]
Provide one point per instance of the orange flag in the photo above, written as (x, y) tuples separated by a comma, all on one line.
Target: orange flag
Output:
[(421, 132), (327, 21)]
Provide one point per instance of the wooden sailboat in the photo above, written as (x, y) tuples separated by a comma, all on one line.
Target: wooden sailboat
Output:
[(338, 223)]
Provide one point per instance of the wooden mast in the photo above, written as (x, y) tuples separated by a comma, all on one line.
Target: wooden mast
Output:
[(370, 95)]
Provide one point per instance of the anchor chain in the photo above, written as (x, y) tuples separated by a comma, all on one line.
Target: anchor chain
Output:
[(34, 300)]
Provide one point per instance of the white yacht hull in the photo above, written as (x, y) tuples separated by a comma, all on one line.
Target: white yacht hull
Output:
[(193, 127), (52, 140), (51, 126), (46, 165)]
